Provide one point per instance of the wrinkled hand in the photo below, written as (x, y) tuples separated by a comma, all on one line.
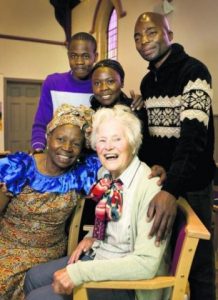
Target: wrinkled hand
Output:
[(159, 171), (163, 209), (62, 284), (82, 247), (137, 102)]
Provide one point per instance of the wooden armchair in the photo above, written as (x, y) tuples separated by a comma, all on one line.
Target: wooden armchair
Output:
[(84, 213), (189, 233)]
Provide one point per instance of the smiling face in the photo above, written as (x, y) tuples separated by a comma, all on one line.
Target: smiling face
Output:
[(64, 147), (113, 148), (152, 36), (82, 56), (106, 85)]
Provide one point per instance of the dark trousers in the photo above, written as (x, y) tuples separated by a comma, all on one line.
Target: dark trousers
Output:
[(38, 281), (202, 275)]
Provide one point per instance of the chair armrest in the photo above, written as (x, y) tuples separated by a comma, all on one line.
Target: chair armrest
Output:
[(194, 228)]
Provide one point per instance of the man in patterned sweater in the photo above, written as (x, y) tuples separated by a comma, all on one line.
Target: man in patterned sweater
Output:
[(179, 136)]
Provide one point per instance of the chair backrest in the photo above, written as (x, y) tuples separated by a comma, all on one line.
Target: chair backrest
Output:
[(189, 234), (83, 214), (177, 239), (190, 230), (74, 230)]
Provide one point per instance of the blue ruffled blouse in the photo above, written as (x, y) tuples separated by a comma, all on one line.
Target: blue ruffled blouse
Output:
[(19, 169)]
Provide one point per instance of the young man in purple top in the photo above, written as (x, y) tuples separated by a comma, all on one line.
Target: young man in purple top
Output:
[(73, 87)]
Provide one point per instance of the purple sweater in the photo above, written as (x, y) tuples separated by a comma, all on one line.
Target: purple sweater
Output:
[(58, 88)]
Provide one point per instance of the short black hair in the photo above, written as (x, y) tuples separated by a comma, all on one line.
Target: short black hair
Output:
[(85, 36), (110, 63)]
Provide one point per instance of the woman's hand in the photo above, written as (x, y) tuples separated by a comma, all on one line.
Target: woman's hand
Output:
[(82, 247), (62, 283)]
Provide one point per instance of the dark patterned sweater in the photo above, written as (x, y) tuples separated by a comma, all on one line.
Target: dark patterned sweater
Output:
[(179, 132)]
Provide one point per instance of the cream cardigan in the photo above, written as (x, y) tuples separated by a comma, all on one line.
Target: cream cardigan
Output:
[(146, 260)]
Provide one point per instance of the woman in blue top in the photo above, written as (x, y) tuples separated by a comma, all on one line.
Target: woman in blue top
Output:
[(38, 195)]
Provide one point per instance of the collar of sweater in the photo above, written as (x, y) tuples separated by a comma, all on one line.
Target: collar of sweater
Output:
[(177, 54)]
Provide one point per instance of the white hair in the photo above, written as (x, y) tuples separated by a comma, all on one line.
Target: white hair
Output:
[(126, 117)]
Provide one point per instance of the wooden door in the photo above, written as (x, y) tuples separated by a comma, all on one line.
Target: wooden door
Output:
[(20, 107)]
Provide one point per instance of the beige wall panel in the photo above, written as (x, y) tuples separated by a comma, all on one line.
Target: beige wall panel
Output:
[(82, 16), (30, 18), (31, 60)]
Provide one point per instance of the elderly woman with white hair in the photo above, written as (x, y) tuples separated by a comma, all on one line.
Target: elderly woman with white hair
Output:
[(119, 247)]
